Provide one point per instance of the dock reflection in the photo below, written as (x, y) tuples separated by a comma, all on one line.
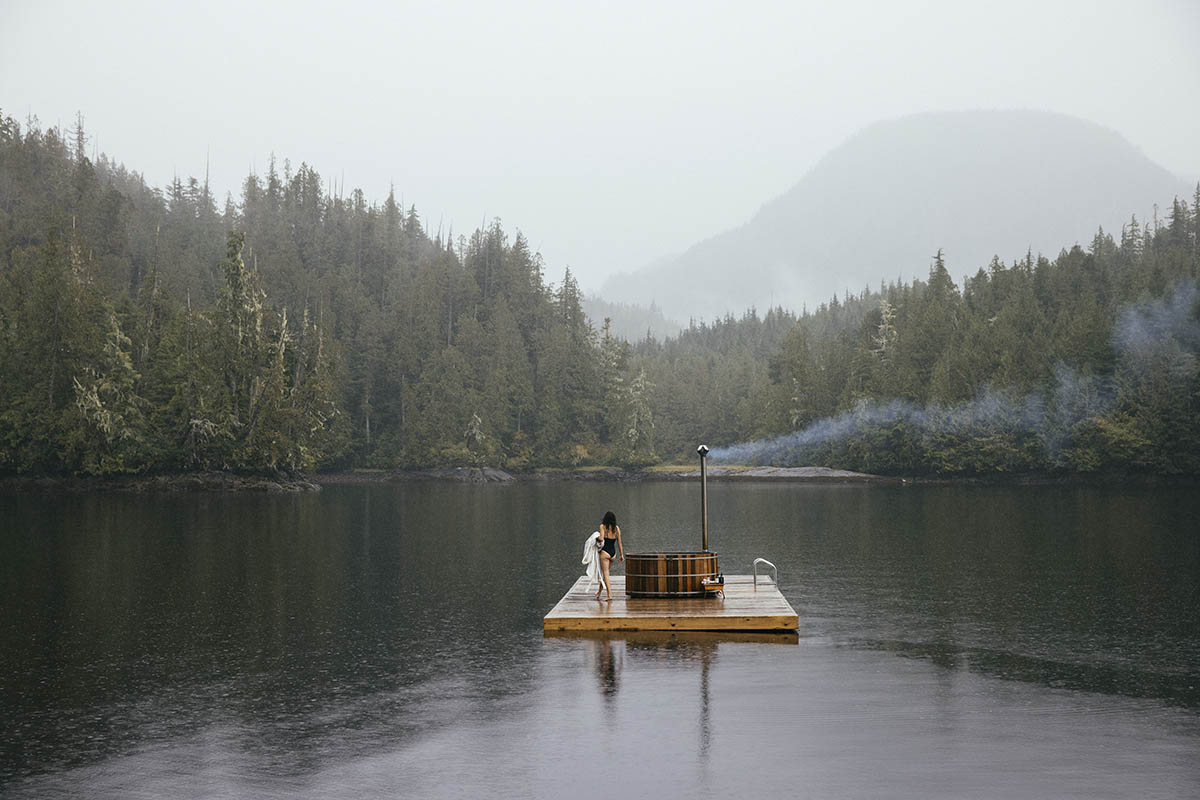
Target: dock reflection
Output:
[(609, 660), (607, 651)]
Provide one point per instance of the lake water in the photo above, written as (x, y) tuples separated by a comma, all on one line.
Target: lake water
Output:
[(387, 641)]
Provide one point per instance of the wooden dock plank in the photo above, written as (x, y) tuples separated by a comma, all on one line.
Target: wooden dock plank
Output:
[(790, 637), (744, 608)]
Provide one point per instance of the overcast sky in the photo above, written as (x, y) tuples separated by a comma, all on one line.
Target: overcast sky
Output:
[(611, 134)]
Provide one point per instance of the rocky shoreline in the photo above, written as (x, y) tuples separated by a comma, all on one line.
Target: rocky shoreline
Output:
[(815, 474), (602, 474), (289, 483), (449, 475), (145, 484), (283, 483)]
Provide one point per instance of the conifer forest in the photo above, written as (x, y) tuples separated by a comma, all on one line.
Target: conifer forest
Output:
[(298, 328)]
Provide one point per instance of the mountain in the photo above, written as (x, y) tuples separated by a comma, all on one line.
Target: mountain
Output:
[(878, 207)]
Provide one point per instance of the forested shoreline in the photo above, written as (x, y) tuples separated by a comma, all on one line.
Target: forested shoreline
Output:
[(147, 331)]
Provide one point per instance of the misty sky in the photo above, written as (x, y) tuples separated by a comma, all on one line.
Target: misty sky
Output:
[(610, 133)]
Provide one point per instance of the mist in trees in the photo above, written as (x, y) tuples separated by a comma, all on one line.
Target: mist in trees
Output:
[(1035, 367), (293, 329), (297, 328)]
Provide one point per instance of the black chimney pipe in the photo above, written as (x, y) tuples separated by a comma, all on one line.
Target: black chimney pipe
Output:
[(703, 451)]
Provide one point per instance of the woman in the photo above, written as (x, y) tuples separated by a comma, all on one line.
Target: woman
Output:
[(610, 533)]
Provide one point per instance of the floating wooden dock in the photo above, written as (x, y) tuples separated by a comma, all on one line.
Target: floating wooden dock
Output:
[(692, 638), (745, 607)]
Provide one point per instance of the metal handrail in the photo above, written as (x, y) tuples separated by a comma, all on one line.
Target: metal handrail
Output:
[(758, 561)]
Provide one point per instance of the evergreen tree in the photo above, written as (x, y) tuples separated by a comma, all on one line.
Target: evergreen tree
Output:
[(137, 334)]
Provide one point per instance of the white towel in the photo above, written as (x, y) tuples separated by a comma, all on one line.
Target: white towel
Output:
[(591, 558)]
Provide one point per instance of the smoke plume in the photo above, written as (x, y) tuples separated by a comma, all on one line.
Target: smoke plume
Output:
[(1166, 327)]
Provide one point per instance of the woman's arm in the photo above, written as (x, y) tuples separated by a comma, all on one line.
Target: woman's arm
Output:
[(620, 545)]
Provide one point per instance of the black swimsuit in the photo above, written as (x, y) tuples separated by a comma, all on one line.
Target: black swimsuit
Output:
[(610, 547)]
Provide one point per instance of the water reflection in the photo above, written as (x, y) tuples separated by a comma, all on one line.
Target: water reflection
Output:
[(607, 651), (294, 645), (608, 666)]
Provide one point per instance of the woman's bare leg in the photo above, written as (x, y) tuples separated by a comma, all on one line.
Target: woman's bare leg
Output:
[(605, 563)]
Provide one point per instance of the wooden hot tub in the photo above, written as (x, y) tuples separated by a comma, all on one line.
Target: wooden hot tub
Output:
[(668, 574)]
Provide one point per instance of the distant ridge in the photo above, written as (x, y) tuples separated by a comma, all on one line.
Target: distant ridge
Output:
[(877, 207)]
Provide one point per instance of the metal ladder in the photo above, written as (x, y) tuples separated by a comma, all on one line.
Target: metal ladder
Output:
[(763, 561)]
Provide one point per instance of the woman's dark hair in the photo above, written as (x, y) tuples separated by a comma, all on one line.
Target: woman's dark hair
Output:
[(610, 520)]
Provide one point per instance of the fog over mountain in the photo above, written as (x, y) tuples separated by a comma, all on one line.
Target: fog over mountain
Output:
[(973, 183)]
